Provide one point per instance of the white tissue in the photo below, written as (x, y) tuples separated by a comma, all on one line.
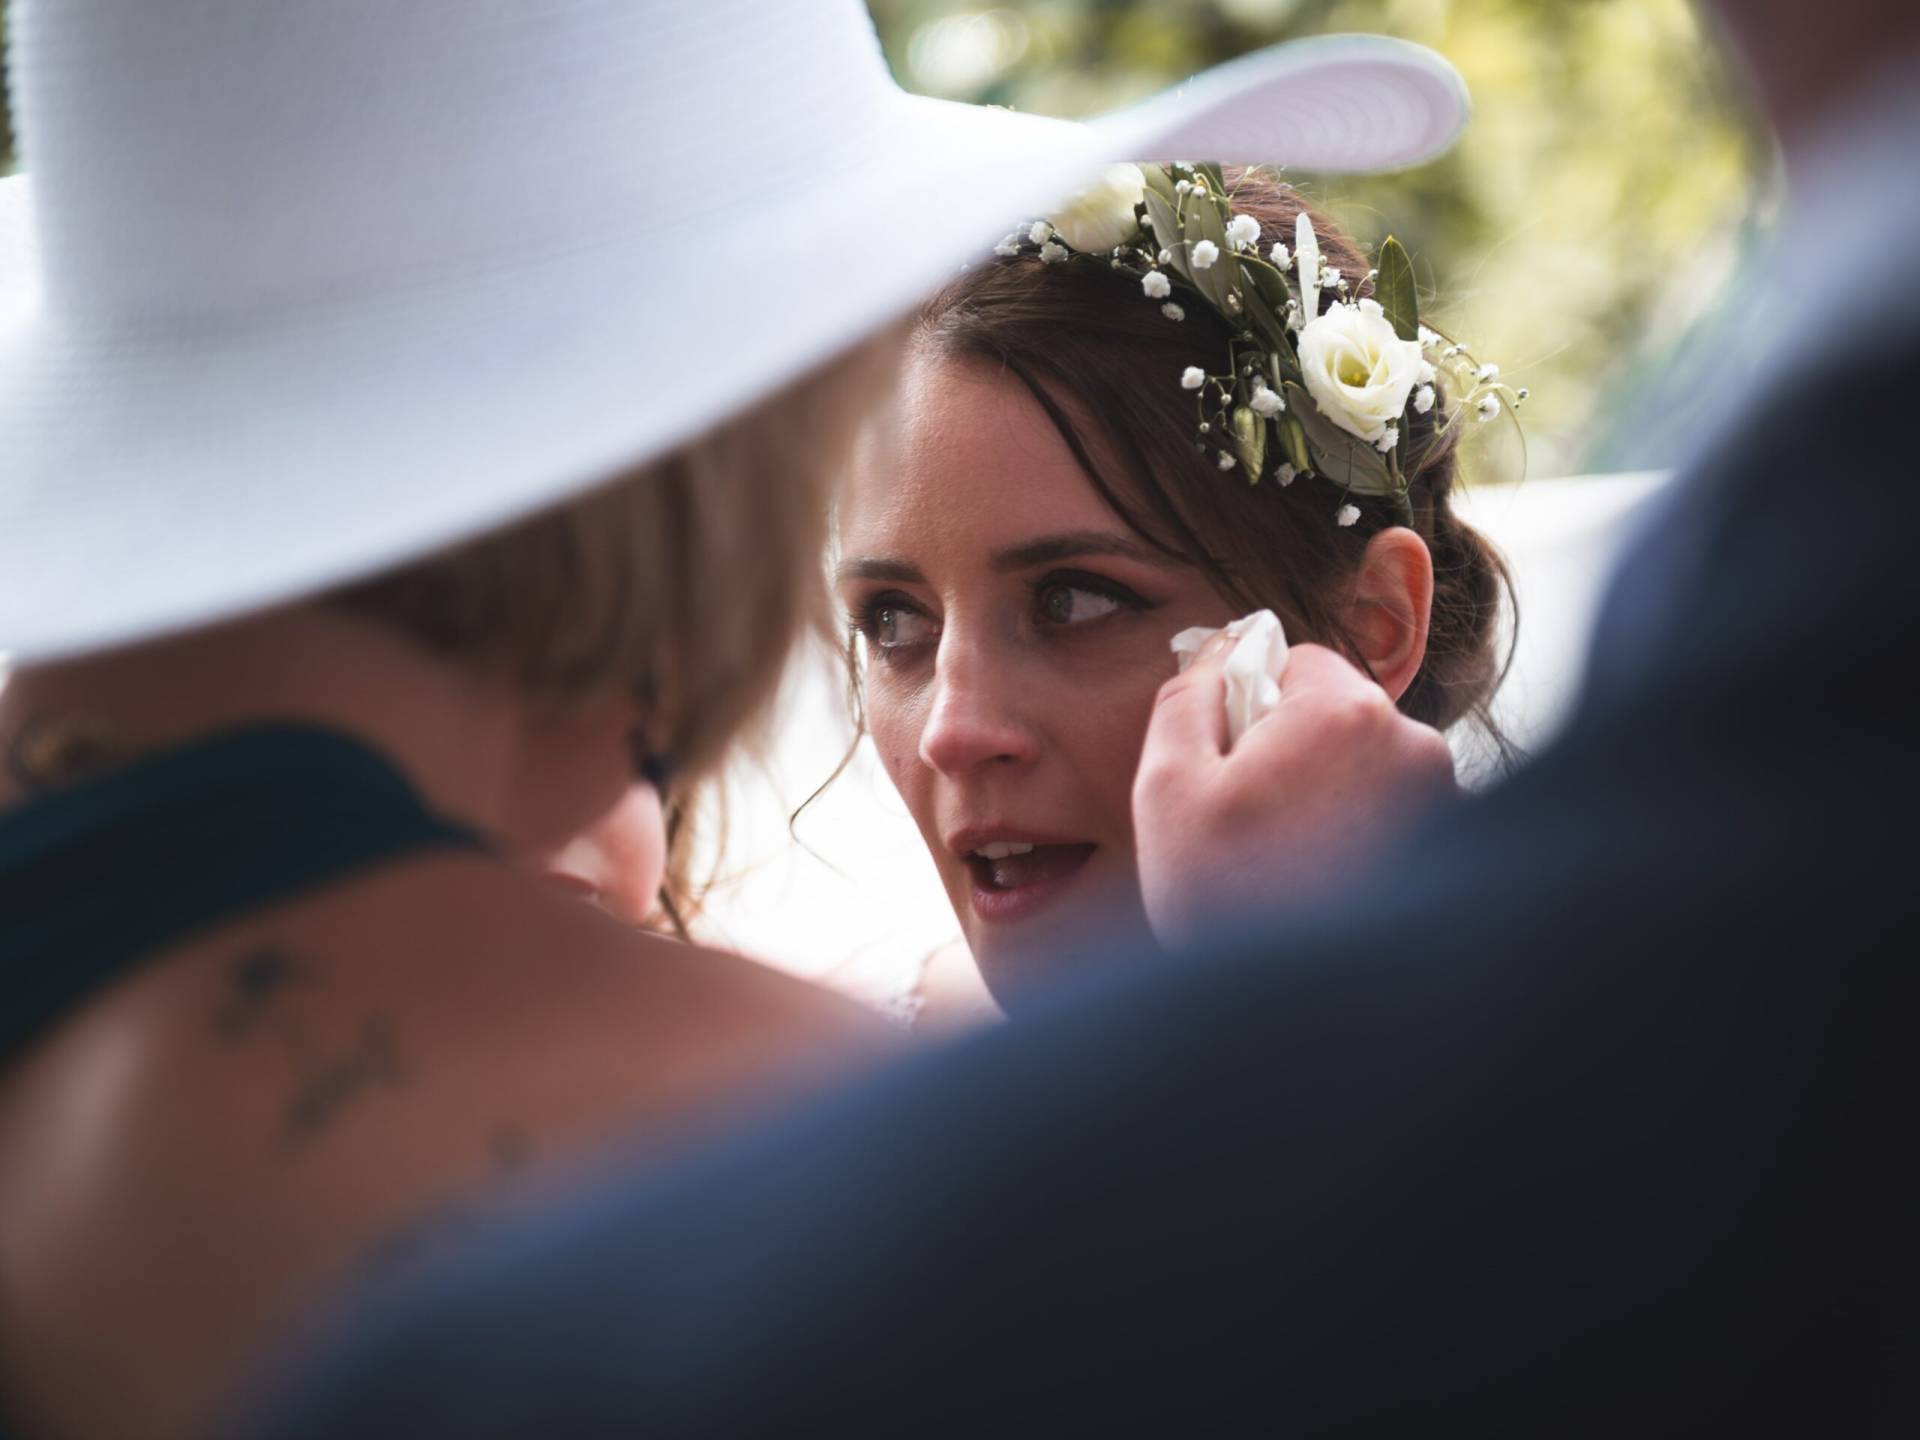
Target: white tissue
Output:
[(1254, 666)]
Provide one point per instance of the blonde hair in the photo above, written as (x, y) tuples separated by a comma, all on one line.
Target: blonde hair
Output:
[(683, 583)]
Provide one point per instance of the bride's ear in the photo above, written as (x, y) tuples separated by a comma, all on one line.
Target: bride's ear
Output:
[(1391, 605)]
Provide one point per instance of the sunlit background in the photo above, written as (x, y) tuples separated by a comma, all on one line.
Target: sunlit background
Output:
[(1609, 184)]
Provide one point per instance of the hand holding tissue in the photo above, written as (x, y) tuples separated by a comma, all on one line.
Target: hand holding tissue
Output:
[(1253, 667)]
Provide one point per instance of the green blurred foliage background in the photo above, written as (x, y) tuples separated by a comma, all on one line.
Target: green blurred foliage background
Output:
[(1610, 184)]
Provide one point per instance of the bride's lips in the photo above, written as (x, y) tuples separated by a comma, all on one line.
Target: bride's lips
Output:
[(1008, 888)]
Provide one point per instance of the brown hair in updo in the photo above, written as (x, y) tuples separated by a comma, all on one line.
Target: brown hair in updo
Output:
[(1094, 353)]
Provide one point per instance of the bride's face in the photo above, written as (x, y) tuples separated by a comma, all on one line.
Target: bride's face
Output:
[(1016, 634)]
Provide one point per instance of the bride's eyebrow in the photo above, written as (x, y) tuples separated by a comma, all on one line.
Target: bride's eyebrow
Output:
[(876, 567), (1051, 548), (1046, 550)]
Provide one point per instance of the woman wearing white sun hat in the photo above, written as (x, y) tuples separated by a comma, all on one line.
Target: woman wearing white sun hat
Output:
[(363, 518)]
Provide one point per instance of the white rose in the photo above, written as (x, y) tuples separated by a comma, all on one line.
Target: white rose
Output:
[(1102, 215), (1357, 370)]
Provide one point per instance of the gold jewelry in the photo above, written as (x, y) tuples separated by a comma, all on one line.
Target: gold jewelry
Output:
[(49, 751)]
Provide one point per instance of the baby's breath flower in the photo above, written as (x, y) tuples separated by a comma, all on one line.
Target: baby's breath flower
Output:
[(1173, 311), (1243, 231), (1203, 254), (1286, 474), (1266, 402), (1279, 256), (1165, 257), (1182, 187), (1423, 400), (1488, 407), (1008, 246), (1053, 252), (1426, 374), (1226, 461), (1156, 285), (1429, 338), (1348, 514), (1039, 232), (1488, 371), (1389, 438), (1522, 394), (1192, 378)]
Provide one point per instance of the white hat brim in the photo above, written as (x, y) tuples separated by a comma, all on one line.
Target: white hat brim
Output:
[(152, 483)]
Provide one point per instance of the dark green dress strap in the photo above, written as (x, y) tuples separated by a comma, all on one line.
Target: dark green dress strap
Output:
[(98, 876)]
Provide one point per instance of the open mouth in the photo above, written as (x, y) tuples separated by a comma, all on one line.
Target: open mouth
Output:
[(1010, 879)]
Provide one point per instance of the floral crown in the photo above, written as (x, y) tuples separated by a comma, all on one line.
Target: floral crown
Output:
[(1329, 394)]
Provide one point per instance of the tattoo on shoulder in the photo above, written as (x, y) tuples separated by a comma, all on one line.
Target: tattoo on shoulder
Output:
[(270, 994), (331, 1083), (256, 982)]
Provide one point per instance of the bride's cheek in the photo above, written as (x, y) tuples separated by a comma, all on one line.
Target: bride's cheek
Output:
[(891, 721)]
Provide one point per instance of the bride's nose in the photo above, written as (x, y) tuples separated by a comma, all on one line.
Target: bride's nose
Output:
[(975, 716)]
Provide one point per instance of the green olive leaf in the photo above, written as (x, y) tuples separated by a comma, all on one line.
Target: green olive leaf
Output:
[(1393, 287), (1267, 294), (1343, 458), (1166, 233), (1218, 280)]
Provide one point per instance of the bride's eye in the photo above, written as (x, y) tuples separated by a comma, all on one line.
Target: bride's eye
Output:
[(890, 622), (1078, 600)]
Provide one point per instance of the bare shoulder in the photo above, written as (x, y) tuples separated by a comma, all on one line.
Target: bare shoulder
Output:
[(327, 1087)]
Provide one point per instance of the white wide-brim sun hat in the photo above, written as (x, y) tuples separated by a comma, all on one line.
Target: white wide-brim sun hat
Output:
[(290, 294)]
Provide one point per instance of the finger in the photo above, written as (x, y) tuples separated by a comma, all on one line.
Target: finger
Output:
[(1314, 670), (1323, 696), (1189, 721)]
